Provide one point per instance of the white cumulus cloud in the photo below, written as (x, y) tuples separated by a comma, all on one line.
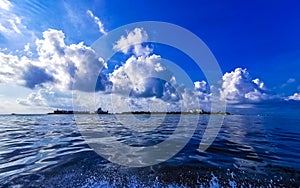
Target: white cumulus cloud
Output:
[(237, 86), (5, 4), (133, 42), (70, 64), (141, 77), (22, 71), (198, 97), (295, 97), (58, 65), (142, 82)]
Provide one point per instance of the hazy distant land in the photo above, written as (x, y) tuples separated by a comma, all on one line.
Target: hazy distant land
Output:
[(137, 112)]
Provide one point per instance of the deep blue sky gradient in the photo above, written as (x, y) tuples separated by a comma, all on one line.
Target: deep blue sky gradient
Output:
[(262, 36)]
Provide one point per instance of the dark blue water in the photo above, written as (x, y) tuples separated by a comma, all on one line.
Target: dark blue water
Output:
[(250, 151)]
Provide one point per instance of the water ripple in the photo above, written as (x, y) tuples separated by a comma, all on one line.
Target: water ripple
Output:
[(49, 151)]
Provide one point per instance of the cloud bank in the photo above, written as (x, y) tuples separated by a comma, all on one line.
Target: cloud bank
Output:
[(57, 65), (141, 82), (58, 68)]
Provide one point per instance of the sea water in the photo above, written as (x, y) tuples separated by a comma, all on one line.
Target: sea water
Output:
[(255, 147)]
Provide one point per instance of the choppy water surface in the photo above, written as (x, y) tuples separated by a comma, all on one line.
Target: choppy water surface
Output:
[(250, 150)]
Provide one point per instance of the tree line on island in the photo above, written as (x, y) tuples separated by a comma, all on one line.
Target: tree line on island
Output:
[(100, 111)]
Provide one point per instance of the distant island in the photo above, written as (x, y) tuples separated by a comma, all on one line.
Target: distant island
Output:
[(100, 111), (176, 112)]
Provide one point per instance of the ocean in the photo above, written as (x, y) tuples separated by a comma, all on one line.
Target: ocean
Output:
[(255, 147)]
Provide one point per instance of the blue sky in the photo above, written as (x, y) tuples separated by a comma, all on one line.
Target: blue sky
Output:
[(260, 37)]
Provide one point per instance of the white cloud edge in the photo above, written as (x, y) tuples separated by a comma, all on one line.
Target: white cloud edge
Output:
[(132, 42), (97, 21), (5, 5), (294, 97)]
